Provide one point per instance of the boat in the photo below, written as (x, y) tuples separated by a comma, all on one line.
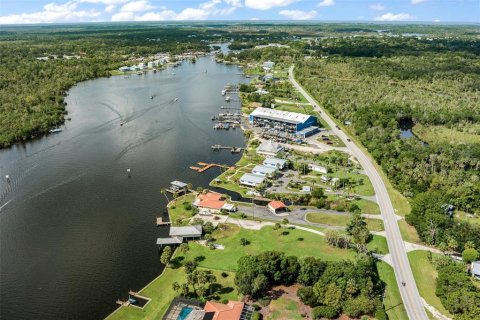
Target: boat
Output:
[(224, 92), (131, 300), (175, 100), (154, 70), (55, 130), (151, 97), (139, 73), (228, 99)]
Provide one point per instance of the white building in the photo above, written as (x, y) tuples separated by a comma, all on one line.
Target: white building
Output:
[(268, 65), (264, 171), (325, 178), (275, 163), (251, 180), (476, 269), (317, 168), (269, 148)]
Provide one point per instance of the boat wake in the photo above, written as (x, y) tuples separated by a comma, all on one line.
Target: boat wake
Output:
[(139, 143)]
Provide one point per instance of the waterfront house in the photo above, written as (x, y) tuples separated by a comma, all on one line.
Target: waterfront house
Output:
[(233, 310), (268, 65), (178, 187), (264, 171), (317, 168), (269, 148), (212, 202), (178, 235), (124, 69), (251, 180), (276, 207), (275, 163)]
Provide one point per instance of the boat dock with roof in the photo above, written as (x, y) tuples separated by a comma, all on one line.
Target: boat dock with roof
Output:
[(178, 235)]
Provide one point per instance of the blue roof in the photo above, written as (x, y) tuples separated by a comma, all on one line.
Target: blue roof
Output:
[(308, 130)]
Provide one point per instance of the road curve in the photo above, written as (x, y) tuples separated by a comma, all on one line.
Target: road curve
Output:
[(403, 273)]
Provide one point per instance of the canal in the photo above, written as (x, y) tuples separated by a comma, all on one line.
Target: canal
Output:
[(75, 232)]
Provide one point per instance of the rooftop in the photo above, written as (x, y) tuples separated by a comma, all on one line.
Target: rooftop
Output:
[(291, 117), (252, 178), (230, 311), (275, 161), (186, 230), (270, 147), (178, 184), (277, 205), (476, 268), (210, 200), (264, 169)]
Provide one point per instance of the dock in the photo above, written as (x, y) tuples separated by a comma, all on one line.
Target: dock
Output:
[(206, 166), (218, 147), (160, 222)]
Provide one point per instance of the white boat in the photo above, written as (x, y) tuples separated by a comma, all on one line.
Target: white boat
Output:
[(55, 130), (228, 99), (224, 92), (122, 123), (175, 100)]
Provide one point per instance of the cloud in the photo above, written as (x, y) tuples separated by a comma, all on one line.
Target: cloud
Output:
[(416, 1), (234, 3), (267, 4), (107, 2), (378, 7), (436, 20), (326, 3), (298, 14), (110, 8), (394, 17), (136, 6), (52, 12)]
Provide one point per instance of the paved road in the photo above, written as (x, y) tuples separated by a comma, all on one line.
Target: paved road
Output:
[(403, 273)]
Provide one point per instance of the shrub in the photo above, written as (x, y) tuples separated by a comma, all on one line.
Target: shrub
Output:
[(256, 316), (324, 312), (224, 274), (381, 315)]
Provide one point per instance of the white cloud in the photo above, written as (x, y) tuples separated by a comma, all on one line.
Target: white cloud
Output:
[(123, 16), (52, 12), (254, 19), (326, 3), (234, 3), (136, 6), (110, 8), (107, 2), (157, 16), (378, 7), (436, 20), (267, 4), (394, 17), (298, 14), (209, 5), (416, 1)]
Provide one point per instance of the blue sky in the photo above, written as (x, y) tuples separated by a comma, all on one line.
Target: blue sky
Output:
[(51, 11)]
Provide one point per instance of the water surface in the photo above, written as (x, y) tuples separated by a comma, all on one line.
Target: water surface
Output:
[(75, 232)]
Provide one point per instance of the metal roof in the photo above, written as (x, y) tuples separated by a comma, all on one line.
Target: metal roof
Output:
[(285, 116), (254, 178), (171, 240), (476, 268), (186, 231), (178, 184), (307, 130), (269, 147), (275, 161), (264, 169)]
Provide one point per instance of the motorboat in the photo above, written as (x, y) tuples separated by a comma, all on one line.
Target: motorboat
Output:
[(55, 130)]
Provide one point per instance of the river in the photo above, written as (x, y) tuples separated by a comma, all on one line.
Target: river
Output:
[(75, 232)]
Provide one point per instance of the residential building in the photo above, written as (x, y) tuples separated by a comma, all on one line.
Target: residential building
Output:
[(251, 180), (307, 189), (276, 207), (280, 164), (178, 235), (212, 202), (264, 171), (325, 178), (269, 148), (475, 268), (268, 65), (317, 168)]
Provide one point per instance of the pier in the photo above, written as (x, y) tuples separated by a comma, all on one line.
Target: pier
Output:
[(160, 222), (218, 147), (206, 166)]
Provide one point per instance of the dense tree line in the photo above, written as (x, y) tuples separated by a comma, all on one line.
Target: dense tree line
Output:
[(353, 288)]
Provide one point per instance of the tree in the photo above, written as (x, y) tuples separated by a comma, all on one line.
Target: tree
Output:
[(176, 287), (333, 296), (307, 296), (244, 242), (470, 255), (357, 228), (190, 266), (184, 289), (324, 312), (184, 248), (164, 192), (208, 227), (310, 270), (260, 285), (166, 255)]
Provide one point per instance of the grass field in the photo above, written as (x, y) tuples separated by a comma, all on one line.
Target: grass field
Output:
[(425, 276), (378, 244), (441, 134), (367, 206), (392, 300), (332, 219), (283, 308), (296, 242), (461, 215), (181, 210), (408, 232)]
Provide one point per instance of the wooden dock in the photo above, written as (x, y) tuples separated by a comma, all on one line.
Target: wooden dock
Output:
[(160, 222), (206, 166)]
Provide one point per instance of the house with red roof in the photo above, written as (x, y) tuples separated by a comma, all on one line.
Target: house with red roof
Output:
[(233, 310), (212, 202)]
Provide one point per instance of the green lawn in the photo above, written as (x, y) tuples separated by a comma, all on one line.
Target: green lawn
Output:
[(441, 134), (408, 232), (425, 276), (296, 242), (378, 244), (367, 206), (332, 219), (392, 299), (461, 215), (181, 210), (305, 109)]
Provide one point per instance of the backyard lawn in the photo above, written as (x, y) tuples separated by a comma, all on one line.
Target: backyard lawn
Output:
[(284, 309), (181, 210)]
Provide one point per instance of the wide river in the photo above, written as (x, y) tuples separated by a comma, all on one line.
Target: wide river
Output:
[(75, 232)]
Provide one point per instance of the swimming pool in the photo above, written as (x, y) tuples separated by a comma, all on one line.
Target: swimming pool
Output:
[(184, 313)]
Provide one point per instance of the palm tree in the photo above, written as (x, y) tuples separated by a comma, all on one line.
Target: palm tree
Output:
[(176, 287), (184, 248), (164, 192)]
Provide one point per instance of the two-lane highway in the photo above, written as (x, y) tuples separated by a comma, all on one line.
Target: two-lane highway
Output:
[(403, 273)]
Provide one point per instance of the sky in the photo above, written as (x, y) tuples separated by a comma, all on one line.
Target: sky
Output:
[(64, 11)]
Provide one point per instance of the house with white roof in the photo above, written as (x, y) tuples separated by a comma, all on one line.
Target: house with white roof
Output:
[(251, 180), (264, 171), (475, 268), (269, 148), (290, 120), (280, 164), (317, 168)]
